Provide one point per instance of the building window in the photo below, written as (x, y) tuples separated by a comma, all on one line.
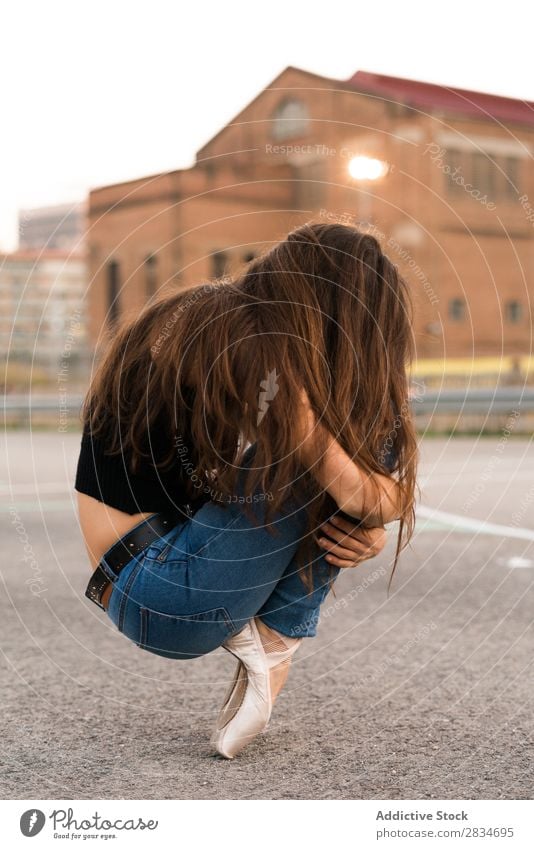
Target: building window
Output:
[(456, 163), (219, 262), (457, 309), (513, 311), (310, 186), (151, 276), (483, 174), (511, 176), (290, 119), (489, 176), (113, 286)]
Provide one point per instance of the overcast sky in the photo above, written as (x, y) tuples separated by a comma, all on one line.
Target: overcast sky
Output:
[(94, 93)]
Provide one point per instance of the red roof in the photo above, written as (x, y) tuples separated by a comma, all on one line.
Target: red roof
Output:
[(426, 96)]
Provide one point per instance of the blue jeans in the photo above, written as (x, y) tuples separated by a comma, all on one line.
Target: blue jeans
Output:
[(185, 594)]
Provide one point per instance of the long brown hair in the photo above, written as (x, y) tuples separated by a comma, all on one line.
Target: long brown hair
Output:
[(224, 364)]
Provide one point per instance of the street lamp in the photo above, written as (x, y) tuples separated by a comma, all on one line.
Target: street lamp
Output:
[(366, 169)]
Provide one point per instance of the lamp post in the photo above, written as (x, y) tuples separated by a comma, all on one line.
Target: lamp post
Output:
[(366, 170)]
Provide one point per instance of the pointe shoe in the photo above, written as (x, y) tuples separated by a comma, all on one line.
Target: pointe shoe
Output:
[(248, 704)]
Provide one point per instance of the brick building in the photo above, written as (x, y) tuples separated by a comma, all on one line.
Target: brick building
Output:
[(443, 176)]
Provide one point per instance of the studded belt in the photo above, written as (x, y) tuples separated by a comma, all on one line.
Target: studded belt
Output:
[(131, 544)]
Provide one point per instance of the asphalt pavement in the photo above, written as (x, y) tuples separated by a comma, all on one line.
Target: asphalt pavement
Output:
[(423, 694)]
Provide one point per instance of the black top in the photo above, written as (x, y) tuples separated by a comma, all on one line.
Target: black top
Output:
[(109, 477)]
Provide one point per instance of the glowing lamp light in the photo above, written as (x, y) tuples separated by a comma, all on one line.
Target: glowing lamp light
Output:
[(367, 168)]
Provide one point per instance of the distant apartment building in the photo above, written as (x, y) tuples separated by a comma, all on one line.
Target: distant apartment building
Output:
[(442, 176), (42, 310), (53, 227)]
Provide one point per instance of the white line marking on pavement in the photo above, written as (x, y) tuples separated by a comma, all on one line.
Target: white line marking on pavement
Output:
[(517, 563), (464, 523), (471, 474)]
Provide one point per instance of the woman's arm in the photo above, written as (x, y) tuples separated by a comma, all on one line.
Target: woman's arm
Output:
[(374, 498)]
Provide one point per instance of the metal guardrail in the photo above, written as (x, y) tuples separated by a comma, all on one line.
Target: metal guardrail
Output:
[(506, 399), (425, 401), (41, 403)]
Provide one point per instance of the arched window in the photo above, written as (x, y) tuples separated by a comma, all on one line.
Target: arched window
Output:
[(151, 276), (290, 119), (457, 310), (513, 310), (113, 289)]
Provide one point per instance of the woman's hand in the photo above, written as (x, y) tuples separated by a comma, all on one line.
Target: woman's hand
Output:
[(353, 543)]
